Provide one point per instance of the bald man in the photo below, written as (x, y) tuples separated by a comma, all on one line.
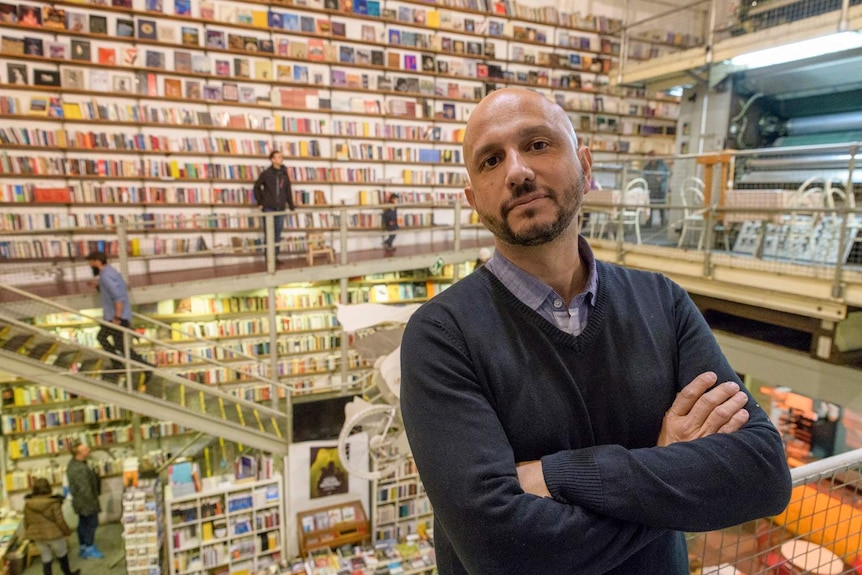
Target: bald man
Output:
[(570, 416)]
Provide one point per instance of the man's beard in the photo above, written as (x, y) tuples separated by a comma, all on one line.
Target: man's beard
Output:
[(536, 234), (94, 270)]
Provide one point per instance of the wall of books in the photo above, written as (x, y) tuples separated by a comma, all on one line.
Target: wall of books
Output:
[(159, 110)]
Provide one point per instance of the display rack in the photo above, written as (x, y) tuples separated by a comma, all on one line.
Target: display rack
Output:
[(234, 528), (332, 526), (143, 527)]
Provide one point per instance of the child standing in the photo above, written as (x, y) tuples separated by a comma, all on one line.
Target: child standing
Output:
[(45, 526)]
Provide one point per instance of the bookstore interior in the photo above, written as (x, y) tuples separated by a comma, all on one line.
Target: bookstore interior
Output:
[(154, 118)]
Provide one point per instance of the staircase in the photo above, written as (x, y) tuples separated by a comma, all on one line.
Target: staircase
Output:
[(42, 356)]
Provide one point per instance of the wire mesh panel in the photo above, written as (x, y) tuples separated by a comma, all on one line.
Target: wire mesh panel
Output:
[(820, 531)]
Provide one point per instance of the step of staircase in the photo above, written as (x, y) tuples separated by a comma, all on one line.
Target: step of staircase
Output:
[(88, 372)]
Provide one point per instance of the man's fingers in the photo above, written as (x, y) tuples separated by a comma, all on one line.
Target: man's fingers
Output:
[(711, 400), (723, 413), (736, 422), (691, 393)]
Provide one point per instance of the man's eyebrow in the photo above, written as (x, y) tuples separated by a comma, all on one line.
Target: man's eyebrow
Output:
[(523, 134)]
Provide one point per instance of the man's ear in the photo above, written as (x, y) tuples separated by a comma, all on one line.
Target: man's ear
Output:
[(586, 159), (468, 191)]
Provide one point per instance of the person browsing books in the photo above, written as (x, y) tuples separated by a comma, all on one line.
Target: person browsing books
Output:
[(566, 415), (85, 488), (272, 193), (44, 525)]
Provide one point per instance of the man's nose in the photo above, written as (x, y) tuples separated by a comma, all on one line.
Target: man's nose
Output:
[(518, 170)]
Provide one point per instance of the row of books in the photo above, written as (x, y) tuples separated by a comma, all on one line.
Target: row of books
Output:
[(29, 395), (22, 448), (285, 326), (61, 417), (412, 508), (465, 55), (192, 222), (40, 249), (33, 222), (305, 345), (95, 193), (158, 223), (92, 110), (145, 26), (90, 193), (23, 478), (287, 300), (124, 141), (265, 17)]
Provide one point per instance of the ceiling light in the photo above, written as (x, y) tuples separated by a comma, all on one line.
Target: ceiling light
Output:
[(799, 50)]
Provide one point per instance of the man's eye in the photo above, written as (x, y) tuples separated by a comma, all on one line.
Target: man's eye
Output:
[(491, 162), (539, 145)]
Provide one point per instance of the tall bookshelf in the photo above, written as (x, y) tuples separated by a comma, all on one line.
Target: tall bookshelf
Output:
[(235, 528), (40, 422), (152, 111), (400, 507)]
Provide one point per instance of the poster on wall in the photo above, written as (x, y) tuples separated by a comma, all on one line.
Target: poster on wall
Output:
[(327, 475)]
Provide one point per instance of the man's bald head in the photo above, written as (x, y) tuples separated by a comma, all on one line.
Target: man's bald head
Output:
[(507, 103)]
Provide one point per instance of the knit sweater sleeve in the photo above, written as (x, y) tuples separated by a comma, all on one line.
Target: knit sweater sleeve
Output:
[(468, 468), (719, 481)]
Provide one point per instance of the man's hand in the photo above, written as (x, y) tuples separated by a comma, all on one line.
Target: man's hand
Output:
[(532, 479), (697, 413)]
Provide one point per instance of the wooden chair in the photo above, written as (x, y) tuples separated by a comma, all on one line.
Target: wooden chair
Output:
[(316, 245)]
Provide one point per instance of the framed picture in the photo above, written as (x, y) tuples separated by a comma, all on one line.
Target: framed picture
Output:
[(29, 15), (46, 77), (57, 50), (73, 79), (8, 13), (212, 92), (247, 95), (33, 47), (16, 73), (123, 83), (193, 89), (125, 28), (230, 92), (81, 50)]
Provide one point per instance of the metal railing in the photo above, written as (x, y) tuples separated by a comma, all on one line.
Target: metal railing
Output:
[(820, 531), (744, 222), (683, 34), (46, 248)]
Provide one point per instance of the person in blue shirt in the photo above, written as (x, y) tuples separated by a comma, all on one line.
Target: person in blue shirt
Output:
[(116, 308)]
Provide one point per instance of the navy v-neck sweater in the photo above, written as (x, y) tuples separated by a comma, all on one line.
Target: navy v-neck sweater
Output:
[(488, 383)]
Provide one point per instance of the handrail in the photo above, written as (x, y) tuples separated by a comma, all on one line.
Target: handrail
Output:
[(805, 473), (208, 389), (195, 339), (131, 333)]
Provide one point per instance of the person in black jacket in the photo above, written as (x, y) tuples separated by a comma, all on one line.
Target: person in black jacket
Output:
[(272, 193), (390, 221)]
